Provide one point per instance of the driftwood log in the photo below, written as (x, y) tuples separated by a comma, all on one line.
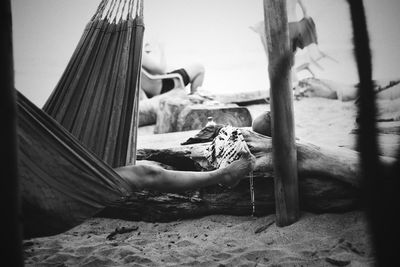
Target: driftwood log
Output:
[(149, 107), (177, 111), (329, 181), (148, 110), (176, 115)]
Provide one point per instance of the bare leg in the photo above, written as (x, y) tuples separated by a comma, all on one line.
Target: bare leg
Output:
[(155, 178), (196, 74)]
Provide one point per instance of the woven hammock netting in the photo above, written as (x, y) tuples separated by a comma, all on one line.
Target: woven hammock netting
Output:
[(66, 152), (96, 98), (61, 182)]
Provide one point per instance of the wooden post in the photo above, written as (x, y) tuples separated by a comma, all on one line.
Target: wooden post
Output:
[(283, 138), (11, 230)]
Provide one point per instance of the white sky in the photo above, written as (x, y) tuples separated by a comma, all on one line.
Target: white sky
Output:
[(214, 32)]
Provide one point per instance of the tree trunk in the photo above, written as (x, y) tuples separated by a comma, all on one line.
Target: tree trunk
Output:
[(329, 180)]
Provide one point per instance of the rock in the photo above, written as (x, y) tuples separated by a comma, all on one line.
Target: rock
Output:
[(190, 113)]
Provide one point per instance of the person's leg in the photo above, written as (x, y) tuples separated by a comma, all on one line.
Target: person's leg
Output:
[(196, 74), (146, 177)]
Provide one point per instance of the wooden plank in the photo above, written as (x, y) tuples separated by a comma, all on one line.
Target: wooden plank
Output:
[(283, 137), (165, 140), (243, 98)]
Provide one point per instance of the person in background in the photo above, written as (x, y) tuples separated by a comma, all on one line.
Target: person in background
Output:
[(302, 33), (154, 62)]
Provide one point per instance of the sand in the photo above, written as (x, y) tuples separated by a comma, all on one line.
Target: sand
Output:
[(237, 59), (315, 240), (220, 240)]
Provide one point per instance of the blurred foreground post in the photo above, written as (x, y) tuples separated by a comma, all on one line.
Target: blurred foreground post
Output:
[(380, 188), (283, 138), (11, 245)]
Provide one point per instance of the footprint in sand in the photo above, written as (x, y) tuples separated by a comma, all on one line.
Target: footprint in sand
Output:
[(85, 250), (237, 250), (184, 243), (222, 256), (137, 260), (256, 256), (141, 242)]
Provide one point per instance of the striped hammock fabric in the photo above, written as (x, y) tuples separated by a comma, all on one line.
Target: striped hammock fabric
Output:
[(61, 183), (97, 96), (67, 150)]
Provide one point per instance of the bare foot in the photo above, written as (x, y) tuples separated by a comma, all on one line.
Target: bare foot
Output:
[(238, 170)]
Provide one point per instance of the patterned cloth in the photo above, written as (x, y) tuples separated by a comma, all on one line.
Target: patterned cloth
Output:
[(226, 147)]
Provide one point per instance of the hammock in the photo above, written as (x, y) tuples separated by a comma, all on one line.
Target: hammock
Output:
[(98, 92), (66, 156), (61, 182)]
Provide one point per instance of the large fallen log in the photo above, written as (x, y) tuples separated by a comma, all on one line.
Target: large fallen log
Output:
[(176, 115), (329, 180), (177, 111), (148, 110), (148, 107)]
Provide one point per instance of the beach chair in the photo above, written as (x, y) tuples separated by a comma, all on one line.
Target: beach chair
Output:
[(306, 67), (321, 56), (174, 76)]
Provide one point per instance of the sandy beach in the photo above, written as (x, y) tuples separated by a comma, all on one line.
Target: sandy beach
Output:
[(221, 240), (316, 240), (235, 62)]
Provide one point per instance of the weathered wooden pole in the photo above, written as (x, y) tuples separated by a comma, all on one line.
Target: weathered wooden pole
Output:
[(283, 138), (11, 230)]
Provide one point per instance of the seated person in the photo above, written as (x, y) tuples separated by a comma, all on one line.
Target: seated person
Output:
[(153, 61), (148, 177)]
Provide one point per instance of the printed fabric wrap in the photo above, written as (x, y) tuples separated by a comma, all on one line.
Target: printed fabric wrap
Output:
[(226, 147)]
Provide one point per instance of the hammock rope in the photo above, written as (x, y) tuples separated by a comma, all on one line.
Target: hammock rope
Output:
[(96, 97)]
